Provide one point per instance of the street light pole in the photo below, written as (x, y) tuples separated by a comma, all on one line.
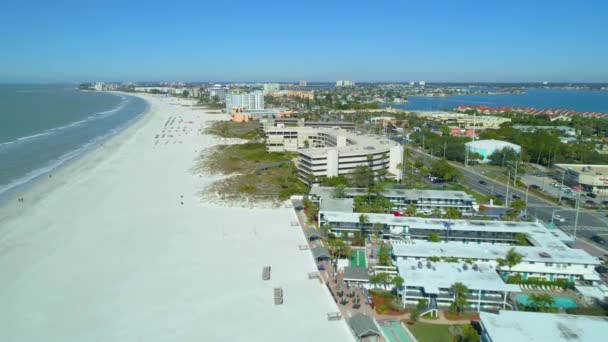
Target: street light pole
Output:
[(578, 207), (527, 189), (559, 201), (507, 194)]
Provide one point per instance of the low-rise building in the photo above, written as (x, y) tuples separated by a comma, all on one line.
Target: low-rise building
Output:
[(547, 256), (271, 87), (424, 200), (432, 281), (593, 178), (509, 326)]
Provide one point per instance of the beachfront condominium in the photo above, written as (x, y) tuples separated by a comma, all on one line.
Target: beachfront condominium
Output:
[(218, 91), (331, 152), (248, 101)]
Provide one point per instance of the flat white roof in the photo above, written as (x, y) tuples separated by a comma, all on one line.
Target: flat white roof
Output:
[(444, 274), (327, 191), (363, 143), (509, 326), (491, 143), (487, 251)]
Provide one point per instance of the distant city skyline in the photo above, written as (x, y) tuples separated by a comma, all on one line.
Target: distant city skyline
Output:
[(317, 41)]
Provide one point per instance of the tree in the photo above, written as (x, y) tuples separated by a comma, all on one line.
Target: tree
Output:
[(521, 239), (442, 169), (362, 176), (460, 296), (419, 162), (397, 281), (422, 304), (339, 191), (338, 248), (452, 213), (518, 205), (414, 315), (436, 212), (511, 259), (384, 256), (411, 209), (541, 302), (434, 237), (469, 334)]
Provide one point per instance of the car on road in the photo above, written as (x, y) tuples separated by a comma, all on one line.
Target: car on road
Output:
[(515, 196), (598, 239), (482, 182), (591, 194), (590, 202), (605, 202), (499, 196), (558, 218), (534, 186)]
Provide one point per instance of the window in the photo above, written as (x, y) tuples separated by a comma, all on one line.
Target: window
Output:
[(531, 262), (548, 264)]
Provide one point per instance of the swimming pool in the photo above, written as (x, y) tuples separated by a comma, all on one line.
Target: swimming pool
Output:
[(559, 302)]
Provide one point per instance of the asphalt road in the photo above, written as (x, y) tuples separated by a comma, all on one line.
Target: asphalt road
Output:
[(589, 222)]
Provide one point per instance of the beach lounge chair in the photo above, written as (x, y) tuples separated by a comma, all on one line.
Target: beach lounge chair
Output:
[(278, 296), (266, 273)]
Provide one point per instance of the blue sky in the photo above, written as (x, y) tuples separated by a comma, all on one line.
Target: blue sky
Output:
[(374, 40)]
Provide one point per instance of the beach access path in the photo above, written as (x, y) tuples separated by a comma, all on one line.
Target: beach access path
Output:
[(119, 246)]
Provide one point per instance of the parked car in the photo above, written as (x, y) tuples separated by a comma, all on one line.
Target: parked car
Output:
[(591, 194), (558, 218), (605, 202), (590, 202), (598, 239)]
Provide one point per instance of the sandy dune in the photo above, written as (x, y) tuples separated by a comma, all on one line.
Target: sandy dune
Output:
[(106, 251)]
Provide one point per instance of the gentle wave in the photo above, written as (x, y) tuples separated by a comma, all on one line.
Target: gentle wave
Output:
[(92, 117), (54, 164)]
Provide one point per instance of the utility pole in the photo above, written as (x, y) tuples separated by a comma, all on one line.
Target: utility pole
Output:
[(507, 194), (527, 189), (444, 148), (561, 191), (578, 207)]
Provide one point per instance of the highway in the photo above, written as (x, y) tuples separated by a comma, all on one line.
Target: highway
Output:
[(589, 222)]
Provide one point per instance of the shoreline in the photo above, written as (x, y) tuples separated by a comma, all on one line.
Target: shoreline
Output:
[(12, 193), (120, 246), (33, 189)]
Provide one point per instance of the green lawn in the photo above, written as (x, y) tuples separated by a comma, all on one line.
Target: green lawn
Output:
[(425, 332)]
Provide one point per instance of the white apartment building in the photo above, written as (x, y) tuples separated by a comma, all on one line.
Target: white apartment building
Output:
[(330, 152), (248, 101), (341, 83), (548, 256), (425, 200), (432, 281)]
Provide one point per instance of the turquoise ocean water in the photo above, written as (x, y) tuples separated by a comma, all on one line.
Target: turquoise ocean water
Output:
[(44, 126)]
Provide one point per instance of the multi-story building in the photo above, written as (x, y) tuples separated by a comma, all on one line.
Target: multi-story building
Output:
[(304, 94), (341, 83), (547, 255), (432, 281), (271, 87), (303, 83), (465, 121), (248, 101), (330, 152), (241, 115), (593, 178), (425, 201), (219, 91)]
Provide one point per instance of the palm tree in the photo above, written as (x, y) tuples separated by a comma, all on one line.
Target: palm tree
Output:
[(363, 219), (436, 212), (541, 302), (511, 259), (452, 213), (411, 209), (397, 281), (460, 296)]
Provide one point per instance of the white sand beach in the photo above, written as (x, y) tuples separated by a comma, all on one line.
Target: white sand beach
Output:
[(106, 251)]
